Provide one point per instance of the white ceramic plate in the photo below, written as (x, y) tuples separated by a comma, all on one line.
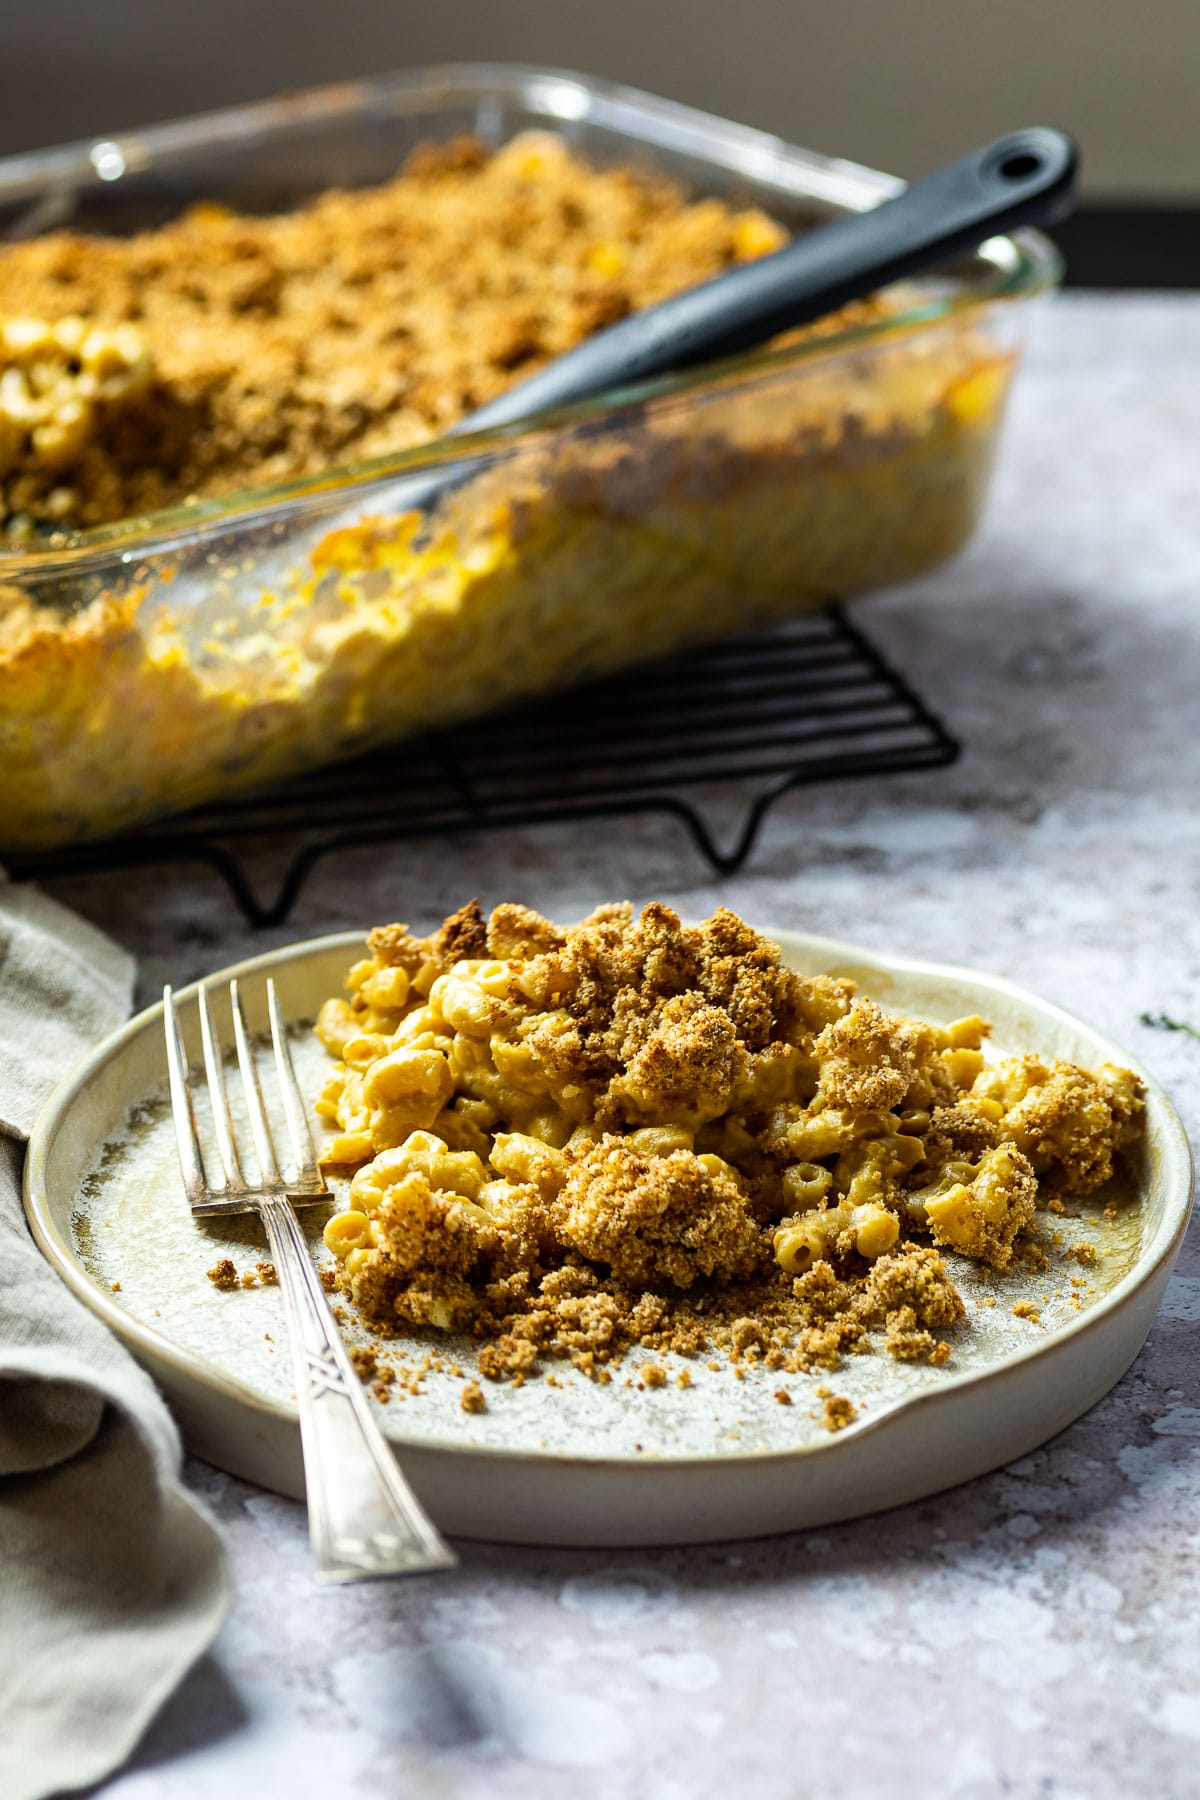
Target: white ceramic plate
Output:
[(578, 1463)]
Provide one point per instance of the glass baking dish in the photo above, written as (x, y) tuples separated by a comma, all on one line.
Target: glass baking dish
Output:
[(154, 664)]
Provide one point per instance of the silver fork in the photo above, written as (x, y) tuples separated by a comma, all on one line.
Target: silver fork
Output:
[(363, 1517)]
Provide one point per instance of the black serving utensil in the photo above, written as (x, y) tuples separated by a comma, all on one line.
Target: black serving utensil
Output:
[(1025, 178)]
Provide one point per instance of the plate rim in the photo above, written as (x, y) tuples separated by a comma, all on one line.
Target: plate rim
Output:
[(137, 1336)]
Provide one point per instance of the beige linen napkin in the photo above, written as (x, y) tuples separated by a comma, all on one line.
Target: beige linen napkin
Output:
[(111, 1577)]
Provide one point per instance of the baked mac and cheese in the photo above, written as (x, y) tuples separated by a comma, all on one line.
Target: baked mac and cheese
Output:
[(223, 352)]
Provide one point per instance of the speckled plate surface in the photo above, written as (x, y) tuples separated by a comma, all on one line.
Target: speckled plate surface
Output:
[(577, 1463)]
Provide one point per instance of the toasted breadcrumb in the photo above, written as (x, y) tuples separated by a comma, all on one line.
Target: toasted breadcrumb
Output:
[(838, 1412), (783, 1397), (472, 1399), (867, 1059), (223, 1274), (656, 1219), (983, 1216)]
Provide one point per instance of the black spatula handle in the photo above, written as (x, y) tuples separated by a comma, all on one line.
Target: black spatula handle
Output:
[(1022, 179)]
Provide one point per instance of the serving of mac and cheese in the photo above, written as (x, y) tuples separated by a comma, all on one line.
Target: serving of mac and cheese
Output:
[(565, 1142)]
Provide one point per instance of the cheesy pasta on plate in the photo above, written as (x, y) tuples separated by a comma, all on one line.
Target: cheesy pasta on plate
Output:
[(567, 1141)]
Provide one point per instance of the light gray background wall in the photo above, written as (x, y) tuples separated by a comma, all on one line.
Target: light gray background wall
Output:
[(897, 83)]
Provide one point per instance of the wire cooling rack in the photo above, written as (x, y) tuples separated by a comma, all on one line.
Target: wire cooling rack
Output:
[(811, 701)]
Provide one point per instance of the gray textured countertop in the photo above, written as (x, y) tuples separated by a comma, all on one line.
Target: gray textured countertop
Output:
[(1034, 1633)]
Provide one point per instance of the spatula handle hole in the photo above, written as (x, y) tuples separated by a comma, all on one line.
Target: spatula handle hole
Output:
[(1018, 164)]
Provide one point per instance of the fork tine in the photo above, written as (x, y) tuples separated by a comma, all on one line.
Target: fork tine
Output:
[(186, 1137), (214, 1071), (261, 1131), (304, 1152)]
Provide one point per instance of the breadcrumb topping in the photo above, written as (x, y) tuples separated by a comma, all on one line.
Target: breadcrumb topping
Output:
[(258, 349), (568, 1142)]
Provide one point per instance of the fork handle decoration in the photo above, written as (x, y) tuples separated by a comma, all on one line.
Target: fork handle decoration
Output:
[(362, 1517)]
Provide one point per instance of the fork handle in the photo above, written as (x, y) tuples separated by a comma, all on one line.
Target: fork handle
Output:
[(363, 1517)]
